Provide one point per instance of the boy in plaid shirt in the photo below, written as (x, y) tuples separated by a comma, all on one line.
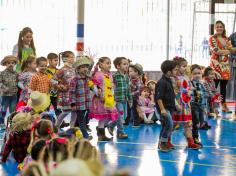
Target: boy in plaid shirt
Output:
[(122, 95), (79, 93), (40, 81)]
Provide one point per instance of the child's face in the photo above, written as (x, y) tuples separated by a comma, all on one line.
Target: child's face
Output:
[(197, 74), (106, 65), (71, 59), (211, 75), (133, 73), (42, 67), (10, 65), (82, 70), (124, 65), (182, 67), (145, 93), (27, 38), (174, 71), (53, 62), (33, 65)]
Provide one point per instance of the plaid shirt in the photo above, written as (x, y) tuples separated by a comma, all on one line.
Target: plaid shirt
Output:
[(122, 89), (18, 143), (8, 83), (40, 82), (79, 93), (135, 85)]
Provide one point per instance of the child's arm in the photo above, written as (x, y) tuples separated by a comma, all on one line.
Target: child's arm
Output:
[(162, 108), (72, 93), (7, 148)]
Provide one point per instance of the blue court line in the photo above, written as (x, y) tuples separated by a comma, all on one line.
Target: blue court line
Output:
[(174, 161), (139, 143)]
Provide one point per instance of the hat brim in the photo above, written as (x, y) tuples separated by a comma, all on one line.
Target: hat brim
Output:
[(78, 64), (138, 69), (41, 107), (3, 62)]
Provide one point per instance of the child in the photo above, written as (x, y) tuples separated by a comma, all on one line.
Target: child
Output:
[(53, 61), (122, 95), (213, 95), (79, 93), (198, 101), (8, 86), (165, 100), (146, 105), (62, 80), (19, 138), (28, 70), (24, 48), (183, 98), (135, 73), (40, 81), (103, 102)]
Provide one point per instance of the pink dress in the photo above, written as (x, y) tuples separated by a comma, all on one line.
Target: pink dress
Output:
[(98, 109), (145, 105)]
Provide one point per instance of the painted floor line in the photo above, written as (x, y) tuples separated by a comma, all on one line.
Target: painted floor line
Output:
[(187, 162), (155, 144)]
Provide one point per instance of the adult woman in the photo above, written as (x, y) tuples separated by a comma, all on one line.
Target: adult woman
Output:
[(25, 47), (220, 47)]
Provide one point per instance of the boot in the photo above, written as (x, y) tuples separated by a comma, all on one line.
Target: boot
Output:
[(192, 145), (170, 145), (196, 141), (101, 135), (163, 146), (225, 108)]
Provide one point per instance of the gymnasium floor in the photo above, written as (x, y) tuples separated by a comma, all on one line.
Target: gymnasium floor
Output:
[(140, 156)]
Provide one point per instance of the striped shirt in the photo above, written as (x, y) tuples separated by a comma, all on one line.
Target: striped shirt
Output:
[(122, 89), (40, 82)]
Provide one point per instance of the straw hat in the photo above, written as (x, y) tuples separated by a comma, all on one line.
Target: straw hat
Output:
[(151, 81), (21, 122), (39, 101), (82, 60), (9, 58), (138, 67)]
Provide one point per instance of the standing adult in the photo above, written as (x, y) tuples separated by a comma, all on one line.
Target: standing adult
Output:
[(232, 82), (25, 47), (220, 47)]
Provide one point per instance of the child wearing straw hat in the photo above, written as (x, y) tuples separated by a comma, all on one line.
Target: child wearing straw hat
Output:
[(19, 137), (8, 86), (79, 93)]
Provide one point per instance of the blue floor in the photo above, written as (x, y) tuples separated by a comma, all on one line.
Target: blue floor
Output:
[(140, 156)]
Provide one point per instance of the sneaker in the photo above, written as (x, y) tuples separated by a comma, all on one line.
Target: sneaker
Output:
[(64, 124), (136, 125), (110, 130), (163, 146), (122, 136)]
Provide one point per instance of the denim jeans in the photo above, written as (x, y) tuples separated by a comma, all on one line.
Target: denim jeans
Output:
[(81, 120), (122, 112), (8, 102), (166, 127), (197, 119)]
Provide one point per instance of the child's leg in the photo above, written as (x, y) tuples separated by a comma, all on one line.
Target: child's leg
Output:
[(54, 104), (150, 117), (74, 119), (135, 113), (122, 111), (101, 131), (12, 103), (195, 120), (5, 105), (82, 122), (129, 114), (189, 137)]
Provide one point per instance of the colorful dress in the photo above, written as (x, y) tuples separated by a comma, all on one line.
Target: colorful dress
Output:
[(103, 107), (146, 105), (183, 98), (24, 81), (219, 63), (63, 77)]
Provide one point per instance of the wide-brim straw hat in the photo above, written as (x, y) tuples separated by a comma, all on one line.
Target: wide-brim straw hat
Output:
[(138, 67), (82, 60), (39, 101), (22, 122), (9, 58)]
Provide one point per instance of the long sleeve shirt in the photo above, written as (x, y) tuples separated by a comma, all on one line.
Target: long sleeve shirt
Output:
[(8, 83), (122, 89)]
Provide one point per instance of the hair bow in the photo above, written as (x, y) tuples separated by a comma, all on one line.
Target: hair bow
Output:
[(61, 140)]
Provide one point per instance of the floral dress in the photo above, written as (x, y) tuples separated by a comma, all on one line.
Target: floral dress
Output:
[(104, 106), (219, 63), (63, 77), (183, 98), (146, 105)]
